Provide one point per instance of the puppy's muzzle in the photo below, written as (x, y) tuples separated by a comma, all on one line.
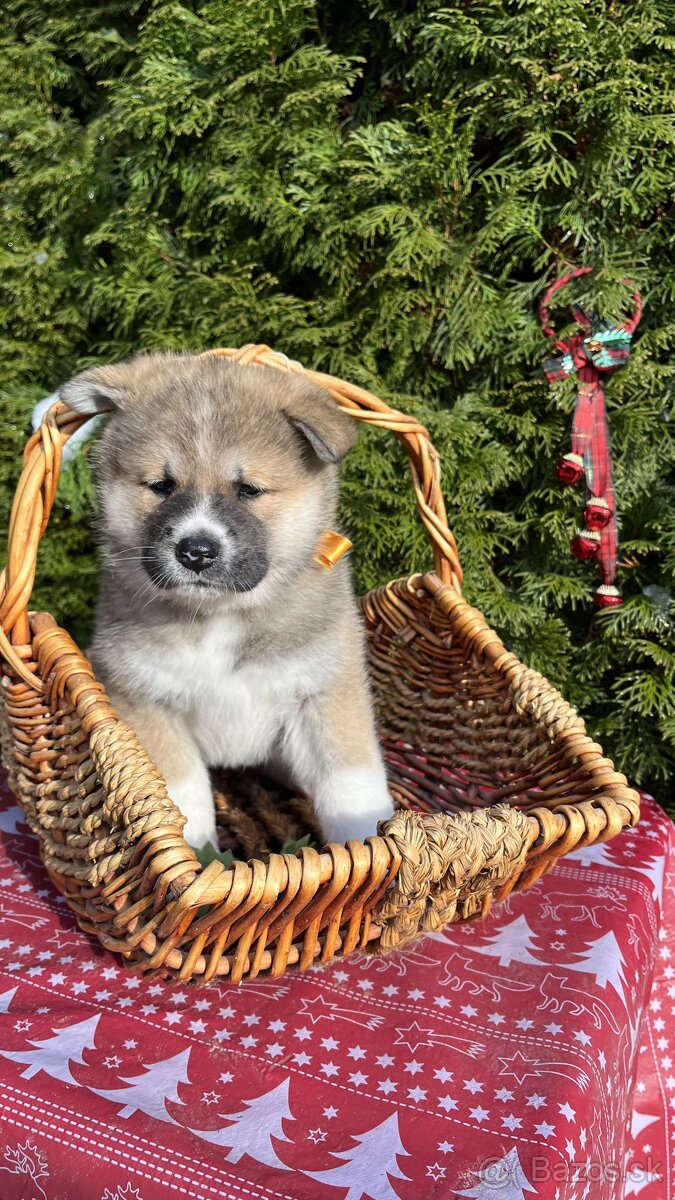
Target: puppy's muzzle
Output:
[(197, 552)]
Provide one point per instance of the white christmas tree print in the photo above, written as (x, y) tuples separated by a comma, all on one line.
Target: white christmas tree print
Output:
[(6, 999), (511, 944), (602, 958), (11, 819), (369, 1165), (503, 1180), (597, 855), (638, 1178), (655, 871), (641, 1121), (149, 1092), (254, 1127), (600, 855), (54, 1054)]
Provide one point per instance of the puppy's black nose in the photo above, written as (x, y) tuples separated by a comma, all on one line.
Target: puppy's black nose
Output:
[(197, 552)]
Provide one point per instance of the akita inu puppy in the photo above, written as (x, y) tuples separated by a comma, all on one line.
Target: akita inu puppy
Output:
[(218, 637)]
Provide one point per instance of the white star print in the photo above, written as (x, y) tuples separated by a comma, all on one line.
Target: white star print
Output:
[(358, 1078), (479, 1114), (544, 1129), (511, 1122), (436, 1171), (386, 1086), (384, 1060), (417, 1094), (442, 1075), (473, 1086)]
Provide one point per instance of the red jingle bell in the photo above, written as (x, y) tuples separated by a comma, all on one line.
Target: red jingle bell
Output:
[(607, 596), (585, 544), (597, 513), (570, 468)]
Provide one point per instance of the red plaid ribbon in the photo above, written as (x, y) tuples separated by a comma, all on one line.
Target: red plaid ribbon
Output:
[(597, 350)]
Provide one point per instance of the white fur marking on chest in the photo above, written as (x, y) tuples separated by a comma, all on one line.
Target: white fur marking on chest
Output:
[(235, 708)]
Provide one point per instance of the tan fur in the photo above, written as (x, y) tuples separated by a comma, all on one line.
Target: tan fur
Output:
[(214, 674)]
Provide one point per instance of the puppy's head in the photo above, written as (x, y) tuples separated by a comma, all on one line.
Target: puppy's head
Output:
[(214, 480)]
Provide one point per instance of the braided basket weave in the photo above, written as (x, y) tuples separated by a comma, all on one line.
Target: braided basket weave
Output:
[(493, 774)]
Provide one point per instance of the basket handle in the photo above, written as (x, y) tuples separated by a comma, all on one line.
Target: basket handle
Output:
[(42, 462), (423, 458)]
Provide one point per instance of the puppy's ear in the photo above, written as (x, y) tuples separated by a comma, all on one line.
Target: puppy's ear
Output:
[(103, 389), (326, 430)]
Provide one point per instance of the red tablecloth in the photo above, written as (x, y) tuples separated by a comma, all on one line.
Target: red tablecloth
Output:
[(494, 1061)]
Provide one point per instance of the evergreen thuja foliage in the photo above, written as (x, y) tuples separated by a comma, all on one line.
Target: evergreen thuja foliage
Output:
[(380, 190)]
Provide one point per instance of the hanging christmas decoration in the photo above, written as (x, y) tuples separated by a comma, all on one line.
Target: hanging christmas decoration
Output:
[(598, 349)]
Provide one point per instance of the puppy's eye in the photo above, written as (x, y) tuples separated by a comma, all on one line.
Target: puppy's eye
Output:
[(162, 487), (248, 491)]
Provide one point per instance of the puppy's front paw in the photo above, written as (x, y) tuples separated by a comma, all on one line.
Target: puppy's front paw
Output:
[(351, 805), (196, 803)]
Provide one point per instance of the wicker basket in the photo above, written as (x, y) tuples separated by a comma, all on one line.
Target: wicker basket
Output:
[(493, 773)]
